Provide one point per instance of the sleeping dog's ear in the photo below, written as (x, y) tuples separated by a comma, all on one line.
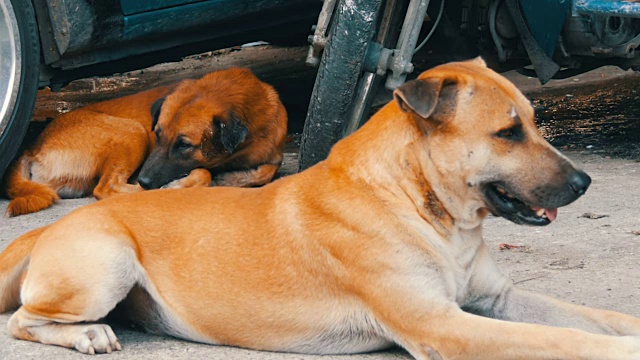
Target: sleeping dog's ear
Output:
[(230, 133), (155, 112)]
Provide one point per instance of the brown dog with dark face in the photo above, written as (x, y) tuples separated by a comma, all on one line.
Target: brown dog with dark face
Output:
[(228, 122), (228, 128)]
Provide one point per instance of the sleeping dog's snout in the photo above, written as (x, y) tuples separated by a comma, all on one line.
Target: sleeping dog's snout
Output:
[(579, 182), (144, 182)]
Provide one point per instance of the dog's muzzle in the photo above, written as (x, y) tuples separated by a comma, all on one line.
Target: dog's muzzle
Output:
[(543, 209), (159, 170)]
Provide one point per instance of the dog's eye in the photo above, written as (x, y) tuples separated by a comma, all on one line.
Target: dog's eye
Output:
[(182, 145), (513, 133)]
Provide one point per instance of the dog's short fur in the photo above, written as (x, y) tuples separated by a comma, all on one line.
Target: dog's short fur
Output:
[(379, 244), (228, 125)]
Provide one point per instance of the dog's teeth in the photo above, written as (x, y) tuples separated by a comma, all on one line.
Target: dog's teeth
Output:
[(504, 193), (540, 212)]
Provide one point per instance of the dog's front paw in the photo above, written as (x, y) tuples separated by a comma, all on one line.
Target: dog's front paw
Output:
[(175, 184), (196, 178)]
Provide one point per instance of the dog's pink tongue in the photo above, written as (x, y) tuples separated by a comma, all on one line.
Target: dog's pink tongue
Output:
[(552, 214)]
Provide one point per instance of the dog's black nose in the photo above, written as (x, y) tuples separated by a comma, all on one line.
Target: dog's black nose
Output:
[(145, 183), (579, 182)]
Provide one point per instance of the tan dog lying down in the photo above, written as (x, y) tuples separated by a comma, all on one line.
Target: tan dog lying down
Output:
[(380, 244)]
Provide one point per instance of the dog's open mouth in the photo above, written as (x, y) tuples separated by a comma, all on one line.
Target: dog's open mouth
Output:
[(505, 204)]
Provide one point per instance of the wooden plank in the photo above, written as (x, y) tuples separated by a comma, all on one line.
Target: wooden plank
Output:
[(284, 68)]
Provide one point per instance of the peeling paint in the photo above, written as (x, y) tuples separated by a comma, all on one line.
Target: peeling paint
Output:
[(352, 8), (626, 8)]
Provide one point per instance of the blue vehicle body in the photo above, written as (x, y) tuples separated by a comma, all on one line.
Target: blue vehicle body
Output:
[(91, 38), (144, 18)]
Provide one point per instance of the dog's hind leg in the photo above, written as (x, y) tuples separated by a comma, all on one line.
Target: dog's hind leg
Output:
[(119, 165), (86, 338), (26, 196), (61, 297), (115, 183)]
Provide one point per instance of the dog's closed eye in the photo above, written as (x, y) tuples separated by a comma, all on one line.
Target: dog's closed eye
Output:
[(182, 145)]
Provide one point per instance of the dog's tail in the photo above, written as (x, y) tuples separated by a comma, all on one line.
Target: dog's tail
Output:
[(26, 196), (14, 261)]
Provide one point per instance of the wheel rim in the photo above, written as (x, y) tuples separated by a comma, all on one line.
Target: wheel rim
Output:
[(10, 63)]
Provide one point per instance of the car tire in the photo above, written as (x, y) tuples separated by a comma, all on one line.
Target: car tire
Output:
[(18, 75), (340, 69)]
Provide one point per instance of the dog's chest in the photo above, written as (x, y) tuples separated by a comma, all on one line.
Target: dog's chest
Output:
[(460, 255)]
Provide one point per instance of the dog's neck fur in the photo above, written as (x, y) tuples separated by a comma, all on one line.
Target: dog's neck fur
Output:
[(388, 158), (390, 152)]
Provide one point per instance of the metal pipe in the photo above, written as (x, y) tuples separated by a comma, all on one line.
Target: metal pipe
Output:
[(401, 62)]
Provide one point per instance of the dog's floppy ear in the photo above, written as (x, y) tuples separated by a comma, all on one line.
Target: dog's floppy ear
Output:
[(422, 96), (418, 96), (155, 112), (231, 133)]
